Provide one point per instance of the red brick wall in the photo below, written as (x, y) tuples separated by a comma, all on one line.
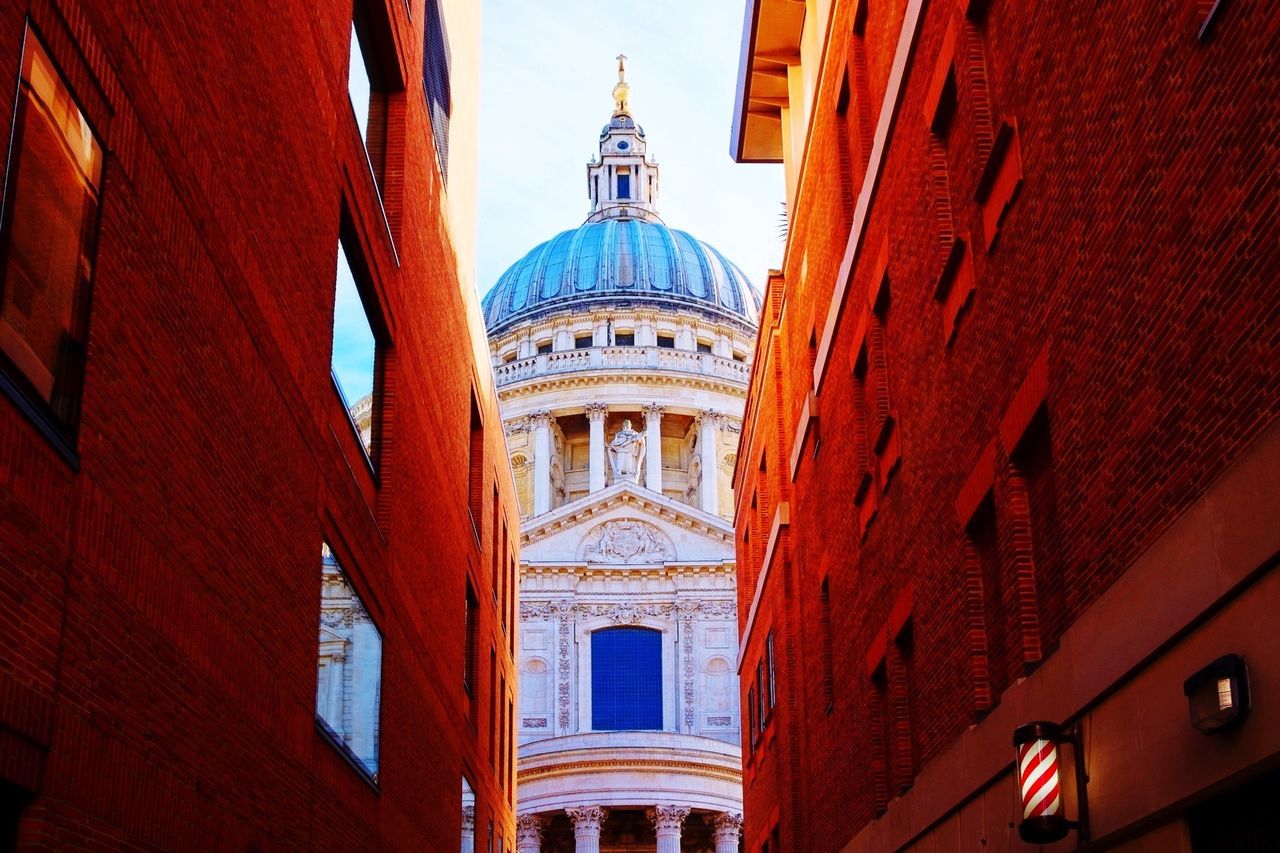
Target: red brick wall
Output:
[(1117, 351), (161, 601)]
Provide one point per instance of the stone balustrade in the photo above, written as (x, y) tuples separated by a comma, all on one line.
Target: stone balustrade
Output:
[(622, 358)]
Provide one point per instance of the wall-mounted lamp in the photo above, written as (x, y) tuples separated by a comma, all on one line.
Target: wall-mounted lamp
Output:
[(1218, 694), (1037, 772)]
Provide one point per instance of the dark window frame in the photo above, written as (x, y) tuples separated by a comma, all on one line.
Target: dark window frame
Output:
[(362, 275), (62, 435)]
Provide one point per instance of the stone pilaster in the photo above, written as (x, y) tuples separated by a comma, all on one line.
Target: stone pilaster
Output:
[(708, 436), (595, 458), (541, 424), (586, 828), (653, 447), (667, 821)]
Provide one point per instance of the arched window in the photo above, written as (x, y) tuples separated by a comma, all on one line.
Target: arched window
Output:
[(626, 679)]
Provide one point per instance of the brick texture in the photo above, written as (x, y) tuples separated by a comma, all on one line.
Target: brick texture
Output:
[(1110, 355), (161, 600)]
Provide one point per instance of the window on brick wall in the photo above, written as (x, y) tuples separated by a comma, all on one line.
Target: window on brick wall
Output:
[(879, 732), (772, 672), (372, 81), (470, 641), (48, 239), (1033, 459), (828, 668), (495, 547), (992, 606), (349, 668), (752, 731), (475, 470), (493, 708), (13, 803), (436, 80), (854, 115), (357, 356), (501, 721)]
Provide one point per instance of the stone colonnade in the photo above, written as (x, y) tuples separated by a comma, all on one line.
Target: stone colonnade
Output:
[(709, 424), (667, 823)]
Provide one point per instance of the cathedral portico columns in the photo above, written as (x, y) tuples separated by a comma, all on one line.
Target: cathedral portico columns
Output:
[(653, 447), (586, 828), (667, 821), (529, 834), (595, 456), (708, 429), (726, 829), (541, 424)]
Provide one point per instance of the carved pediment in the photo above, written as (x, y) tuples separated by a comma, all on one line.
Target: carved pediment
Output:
[(626, 540)]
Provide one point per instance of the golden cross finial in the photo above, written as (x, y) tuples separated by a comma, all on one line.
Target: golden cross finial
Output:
[(621, 91)]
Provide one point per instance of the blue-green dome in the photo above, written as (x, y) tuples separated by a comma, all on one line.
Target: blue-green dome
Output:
[(621, 261)]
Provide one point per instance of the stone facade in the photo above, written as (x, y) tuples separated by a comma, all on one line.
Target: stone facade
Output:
[(622, 412)]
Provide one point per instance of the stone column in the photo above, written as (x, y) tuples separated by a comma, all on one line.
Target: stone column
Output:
[(708, 435), (666, 823), (468, 829), (586, 828), (541, 423), (726, 828), (595, 458), (653, 447), (529, 834)]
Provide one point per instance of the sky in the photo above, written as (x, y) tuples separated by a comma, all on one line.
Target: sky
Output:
[(547, 71)]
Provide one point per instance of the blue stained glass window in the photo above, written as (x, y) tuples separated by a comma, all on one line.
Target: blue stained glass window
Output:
[(626, 679)]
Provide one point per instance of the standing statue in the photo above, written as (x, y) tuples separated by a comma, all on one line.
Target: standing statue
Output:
[(625, 452)]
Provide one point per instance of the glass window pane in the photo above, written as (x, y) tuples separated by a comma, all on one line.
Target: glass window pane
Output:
[(355, 349), (349, 667), (49, 235), (359, 86), (626, 679)]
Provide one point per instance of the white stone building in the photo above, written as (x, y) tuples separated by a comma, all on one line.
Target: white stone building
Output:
[(621, 352)]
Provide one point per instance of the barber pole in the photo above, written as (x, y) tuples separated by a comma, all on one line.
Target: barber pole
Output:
[(1038, 772)]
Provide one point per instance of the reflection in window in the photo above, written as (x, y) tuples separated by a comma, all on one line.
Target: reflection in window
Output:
[(49, 234), (355, 350), (625, 339), (359, 83), (626, 679), (349, 673)]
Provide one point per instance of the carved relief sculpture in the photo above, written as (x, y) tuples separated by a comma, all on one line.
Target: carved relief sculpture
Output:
[(627, 541)]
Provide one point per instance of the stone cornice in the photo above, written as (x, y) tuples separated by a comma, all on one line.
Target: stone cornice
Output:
[(585, 509), (557, 767), (655, 376)]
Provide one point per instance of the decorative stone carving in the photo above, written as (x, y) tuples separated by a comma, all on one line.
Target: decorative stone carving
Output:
[(468, 819), (565, 609), (726, 827), (627, 540), (686, 633), (528, 831), (666, 819), (625, 452), (626, 612), (586, 819), (535, 722), (720, 721), (540, 418), (653, 410), (596, 411)]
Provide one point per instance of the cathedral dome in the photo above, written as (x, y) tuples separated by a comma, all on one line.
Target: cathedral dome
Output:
[(621, 261)]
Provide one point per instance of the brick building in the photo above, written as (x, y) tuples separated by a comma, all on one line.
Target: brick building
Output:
[(241, 360), (1011, 449)]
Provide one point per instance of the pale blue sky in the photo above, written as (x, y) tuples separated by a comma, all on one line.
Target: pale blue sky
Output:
[(547, 70)]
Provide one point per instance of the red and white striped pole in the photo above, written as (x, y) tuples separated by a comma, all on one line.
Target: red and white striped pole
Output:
[(1038, 771)]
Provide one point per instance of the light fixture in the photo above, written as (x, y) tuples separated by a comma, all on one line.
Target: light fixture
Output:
[(1218, 694), (1038, 774)]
